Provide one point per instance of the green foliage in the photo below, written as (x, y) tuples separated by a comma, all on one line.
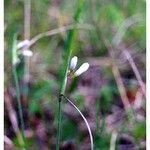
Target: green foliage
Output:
[(69, 130), (79, 99), (106, 98), (102, 142), (140, 131), (29, 142), (39, 91), (73, 85)]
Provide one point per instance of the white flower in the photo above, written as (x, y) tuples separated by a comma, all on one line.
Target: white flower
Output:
[(23, 44), (73, 63), (27, 53), (84, 67)]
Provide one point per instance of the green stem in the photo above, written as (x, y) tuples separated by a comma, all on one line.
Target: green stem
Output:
[(66, 59), (19, 103), (14, 71), (59, 124)]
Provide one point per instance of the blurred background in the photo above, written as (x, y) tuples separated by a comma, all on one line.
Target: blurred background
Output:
[(110, 36)]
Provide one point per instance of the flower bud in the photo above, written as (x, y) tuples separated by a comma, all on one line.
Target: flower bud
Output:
[(23, 44), (73, 63), (27, 53), (84, 67)]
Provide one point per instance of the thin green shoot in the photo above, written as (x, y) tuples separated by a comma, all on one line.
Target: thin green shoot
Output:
[(15, 76), (66, 59)]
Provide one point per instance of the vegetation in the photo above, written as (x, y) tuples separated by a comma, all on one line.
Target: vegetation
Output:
[(41, 90)]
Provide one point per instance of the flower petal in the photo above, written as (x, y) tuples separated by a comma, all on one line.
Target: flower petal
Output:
[(84, 67), (27, 53), (23, 44), (73, 63)]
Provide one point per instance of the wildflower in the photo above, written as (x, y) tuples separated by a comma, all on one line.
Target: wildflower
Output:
[(27, 53), (23, 44), (84, 67)]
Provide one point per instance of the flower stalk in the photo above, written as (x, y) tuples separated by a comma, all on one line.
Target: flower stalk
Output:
[(64, 71), (15, 76)]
